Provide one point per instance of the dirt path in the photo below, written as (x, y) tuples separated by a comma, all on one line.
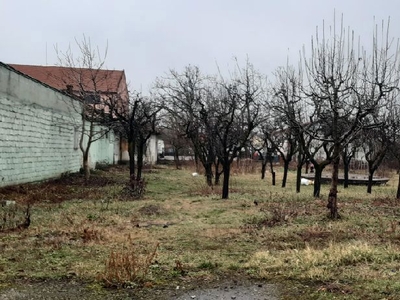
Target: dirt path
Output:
[(49, 290)]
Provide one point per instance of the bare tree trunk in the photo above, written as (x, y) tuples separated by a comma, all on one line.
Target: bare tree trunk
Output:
[(370, 181), (132, 151), (299, 169), (272, 172), (398, 189), (307, 166), (332, 199), (285, 172), (176, 158), (217, 173), (317, 180), (298, 177), (263, 168), (86, 166), (85, 148), (140, 156), (209, 173), (346, 167), (346, 164), (196, 161), (225, 187)]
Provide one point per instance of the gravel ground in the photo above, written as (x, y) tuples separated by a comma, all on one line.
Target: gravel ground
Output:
[(227, 290), (233, 291)]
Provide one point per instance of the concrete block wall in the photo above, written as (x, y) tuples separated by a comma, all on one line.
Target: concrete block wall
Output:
[(102, 151), (39, 131)]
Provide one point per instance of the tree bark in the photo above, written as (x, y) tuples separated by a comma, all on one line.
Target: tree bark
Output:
[(86, 166), (217, 173), (272, 172), (285, 172), (298, 177), (225, 187), (332, 198), (209, 173), (263, 168), (307, 166), (370, 181), (176, 158), (398, 188), (140, 156), (317, 180), (346, 167), (299, 169), (132, 151)]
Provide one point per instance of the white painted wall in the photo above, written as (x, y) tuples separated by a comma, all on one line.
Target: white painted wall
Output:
[(152, 150), (37, 132)]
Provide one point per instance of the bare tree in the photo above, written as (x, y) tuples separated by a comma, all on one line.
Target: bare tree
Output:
[(184, 97), (394, 135), (236, 109), (348, 153), (85, 80), (285, 112), (345, 86), (174, 136), (136, 122), (375, 145)]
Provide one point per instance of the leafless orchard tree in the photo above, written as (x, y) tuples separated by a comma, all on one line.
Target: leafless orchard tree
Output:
[(184, 96), (174, 136), (381, 141), (285, 113), (348, 153), (86, 81), (345, 85), (237, 112), (136, 122), (217, 115), (375, 145), (394, 136)]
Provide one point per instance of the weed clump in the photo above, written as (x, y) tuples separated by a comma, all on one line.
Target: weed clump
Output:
[(126, 268), (135, 189), (13, 216), (273, 215)]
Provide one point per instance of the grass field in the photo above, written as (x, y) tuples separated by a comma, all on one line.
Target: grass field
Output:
[(182, 231)]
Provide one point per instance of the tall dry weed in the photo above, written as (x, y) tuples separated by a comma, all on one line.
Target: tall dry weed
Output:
[(127, 267)]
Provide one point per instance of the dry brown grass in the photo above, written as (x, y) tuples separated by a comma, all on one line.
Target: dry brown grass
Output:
[(127, 267), (87, 232)]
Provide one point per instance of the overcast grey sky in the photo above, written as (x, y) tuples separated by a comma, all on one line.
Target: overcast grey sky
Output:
[(148, 37)]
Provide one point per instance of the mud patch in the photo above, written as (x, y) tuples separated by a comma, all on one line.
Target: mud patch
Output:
[(70, 289), (234, 290)]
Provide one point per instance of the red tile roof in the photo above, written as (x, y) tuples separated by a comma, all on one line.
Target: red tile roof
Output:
[(88, 80)]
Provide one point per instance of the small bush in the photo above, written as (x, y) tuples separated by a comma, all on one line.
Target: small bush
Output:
[(13, 216), (135, 189), (127, 267), (273, 215)]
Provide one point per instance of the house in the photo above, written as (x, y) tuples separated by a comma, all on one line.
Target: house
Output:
[(94, 86)]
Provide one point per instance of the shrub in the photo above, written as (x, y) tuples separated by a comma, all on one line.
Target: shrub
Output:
[(127, 267), (136, 188)]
